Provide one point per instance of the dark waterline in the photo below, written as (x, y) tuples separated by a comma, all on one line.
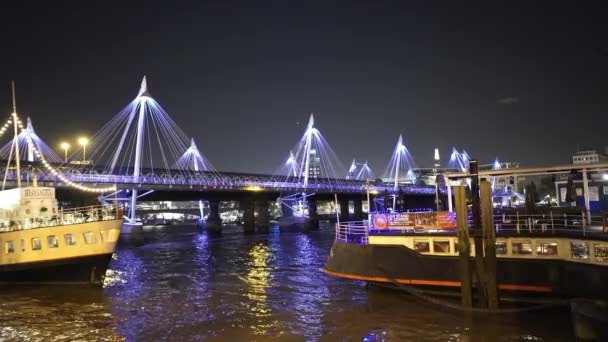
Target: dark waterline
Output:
[(185, 285)]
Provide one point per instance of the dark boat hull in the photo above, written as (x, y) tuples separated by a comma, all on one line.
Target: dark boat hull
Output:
[(589, 319), (390, 264), (79, 270)]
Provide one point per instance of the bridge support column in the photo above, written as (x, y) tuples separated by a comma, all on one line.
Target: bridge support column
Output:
[(286, 210), (343, 201), (358, 204), (312, 222), (288, 222), (247, 205), (262, 221), (214, 221)]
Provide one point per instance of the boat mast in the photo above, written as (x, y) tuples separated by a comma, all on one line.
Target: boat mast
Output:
[(16, 138), (15, 145)]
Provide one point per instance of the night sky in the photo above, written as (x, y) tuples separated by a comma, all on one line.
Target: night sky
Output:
[(525, 81)]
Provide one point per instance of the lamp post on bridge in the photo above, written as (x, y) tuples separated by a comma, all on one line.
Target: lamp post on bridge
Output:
[(82, 141), (65, 147)]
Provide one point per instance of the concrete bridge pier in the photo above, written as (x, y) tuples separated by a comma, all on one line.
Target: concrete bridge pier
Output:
[(288, 222), (312, 222), (247, 205), (358, 206), (344, 202), (262, 220), (213, 224)]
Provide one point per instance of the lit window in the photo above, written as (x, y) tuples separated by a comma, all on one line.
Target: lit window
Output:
[(501, 247), (70, 240), (52, 241), (10, 247), (422, 246), (600, 250), (579, 250), (36, 245), (546, 248), (441, 246), (521, 247), (89, 238)]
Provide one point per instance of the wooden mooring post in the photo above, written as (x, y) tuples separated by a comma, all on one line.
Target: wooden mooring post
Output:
[(477, 232), (481, 272), (489, 244), (464, 247)]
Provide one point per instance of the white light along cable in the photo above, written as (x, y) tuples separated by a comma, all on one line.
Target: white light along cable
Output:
[(54, 172), (6, 126)]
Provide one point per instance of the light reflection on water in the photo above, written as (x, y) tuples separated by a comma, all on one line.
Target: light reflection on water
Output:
[(185, 285)]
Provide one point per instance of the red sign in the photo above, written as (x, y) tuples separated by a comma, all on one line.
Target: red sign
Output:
[(426, 220)]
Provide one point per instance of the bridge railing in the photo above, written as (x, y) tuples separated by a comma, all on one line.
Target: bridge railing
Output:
[(218, 182)]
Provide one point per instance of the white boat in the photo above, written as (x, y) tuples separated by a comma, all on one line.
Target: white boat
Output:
[(41, 243)]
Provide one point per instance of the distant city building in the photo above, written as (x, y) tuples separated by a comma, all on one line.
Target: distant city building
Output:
[(437, 163), (588, 156), (314, 168)]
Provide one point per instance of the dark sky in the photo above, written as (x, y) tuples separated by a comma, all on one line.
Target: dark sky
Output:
[(525, 81)]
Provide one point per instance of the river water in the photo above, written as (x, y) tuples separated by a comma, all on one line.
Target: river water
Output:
[(184, 285)]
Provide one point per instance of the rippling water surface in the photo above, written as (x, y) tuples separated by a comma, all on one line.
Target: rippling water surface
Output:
[(185, 285)]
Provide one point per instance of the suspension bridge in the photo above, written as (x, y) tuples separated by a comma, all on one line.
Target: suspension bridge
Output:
[(142, 153)]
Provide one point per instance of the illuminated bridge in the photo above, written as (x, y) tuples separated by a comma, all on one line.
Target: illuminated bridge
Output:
[(141, 152)]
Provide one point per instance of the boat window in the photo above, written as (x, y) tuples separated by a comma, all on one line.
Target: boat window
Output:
[(10, 247), (546, 248), (89, 238), (579, 250), (70, 240), (441, 246), (36, 245), (422, 246), (600, 251), (501, 247), (521, 247), (52, 241)]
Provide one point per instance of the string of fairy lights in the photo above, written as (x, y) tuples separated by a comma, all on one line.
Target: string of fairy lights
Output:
[(48, 166), (59, 175), (7, 125)]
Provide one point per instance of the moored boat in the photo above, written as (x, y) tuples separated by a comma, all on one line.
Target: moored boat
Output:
[(535, 261), (41, 243)]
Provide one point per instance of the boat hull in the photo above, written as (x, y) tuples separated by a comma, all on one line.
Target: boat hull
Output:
[(33, 259), (89, 269), (392, 264)]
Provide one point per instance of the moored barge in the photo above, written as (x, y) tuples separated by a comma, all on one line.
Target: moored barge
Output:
[(539, 260)]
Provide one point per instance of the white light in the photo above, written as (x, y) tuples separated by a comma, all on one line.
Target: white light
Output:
[(605, 176)]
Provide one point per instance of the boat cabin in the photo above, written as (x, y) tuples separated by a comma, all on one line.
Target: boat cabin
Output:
[(27, 207)]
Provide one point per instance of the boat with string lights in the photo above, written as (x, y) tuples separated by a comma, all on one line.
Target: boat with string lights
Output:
[(41, 243)]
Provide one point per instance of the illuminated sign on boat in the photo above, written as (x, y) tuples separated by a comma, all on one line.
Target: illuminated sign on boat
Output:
[(425, 220)]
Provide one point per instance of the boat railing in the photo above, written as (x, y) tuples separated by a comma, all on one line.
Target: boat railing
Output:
[(353, 232), (67, 217), (548, 222), (569, 224)]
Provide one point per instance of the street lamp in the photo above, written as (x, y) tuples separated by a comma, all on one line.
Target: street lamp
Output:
[(65, 146), (83, 142)]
